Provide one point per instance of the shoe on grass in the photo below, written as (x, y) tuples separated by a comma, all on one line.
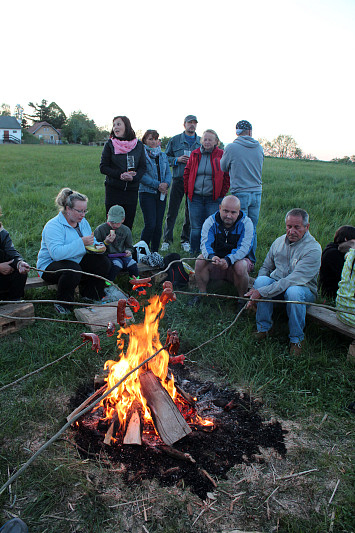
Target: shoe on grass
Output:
[(165, 246), (61, 309), (260, 336), (185, 246), (296, 348)]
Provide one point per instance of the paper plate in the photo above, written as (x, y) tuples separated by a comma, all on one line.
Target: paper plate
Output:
[(96, 248)]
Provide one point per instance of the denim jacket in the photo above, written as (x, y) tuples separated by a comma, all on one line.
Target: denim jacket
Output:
[(150, 181), (175, 148)]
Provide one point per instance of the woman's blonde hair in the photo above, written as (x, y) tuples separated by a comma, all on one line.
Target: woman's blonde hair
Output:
[(213, 133), (67, 197)]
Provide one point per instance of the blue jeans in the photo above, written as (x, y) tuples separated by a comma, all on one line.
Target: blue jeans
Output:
[(250, 205), (175, 196), (296, 312), (153, 210), (200, 208)]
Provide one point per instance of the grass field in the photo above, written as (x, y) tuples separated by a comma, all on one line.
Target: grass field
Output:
[(299, 393)]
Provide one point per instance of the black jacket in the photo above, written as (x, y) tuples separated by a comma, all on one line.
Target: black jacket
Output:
[(113, 165), (330, 270), (7, 249)]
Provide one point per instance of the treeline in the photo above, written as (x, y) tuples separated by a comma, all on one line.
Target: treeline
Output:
[(77, 128), (284, 146)]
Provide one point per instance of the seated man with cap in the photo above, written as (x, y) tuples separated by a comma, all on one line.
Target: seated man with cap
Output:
[(118, 242)]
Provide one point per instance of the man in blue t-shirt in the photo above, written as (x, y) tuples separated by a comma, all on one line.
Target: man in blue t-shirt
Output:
[(178, 151)]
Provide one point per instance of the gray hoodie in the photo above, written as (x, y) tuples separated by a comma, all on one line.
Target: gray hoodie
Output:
[(291, 263), (243, 160)]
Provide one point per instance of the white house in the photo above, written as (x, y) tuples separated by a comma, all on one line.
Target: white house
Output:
[(10, 130)]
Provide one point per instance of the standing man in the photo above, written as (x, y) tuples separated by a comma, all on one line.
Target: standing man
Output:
[(178, 151), (226, 240), (289, 272), (243, 160)]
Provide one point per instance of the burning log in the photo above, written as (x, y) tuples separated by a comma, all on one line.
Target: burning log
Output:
[(111, 432), (167, 418), (134, 425), (87, 402), (188, 397)]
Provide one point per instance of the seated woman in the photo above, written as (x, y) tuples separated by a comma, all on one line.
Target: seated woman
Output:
[(65, 242), (346, 292), (333, 258), (13, 269), (153, 190), (123, 163), (205, 185)]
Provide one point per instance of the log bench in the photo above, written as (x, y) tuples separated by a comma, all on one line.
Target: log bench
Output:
[(328, 318)]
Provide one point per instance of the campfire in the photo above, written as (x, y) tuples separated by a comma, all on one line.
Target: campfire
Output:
[(180, 428), (147, 404)]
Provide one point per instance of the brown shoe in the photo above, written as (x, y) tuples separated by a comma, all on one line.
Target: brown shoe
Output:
[(296, 348), (260, 336)]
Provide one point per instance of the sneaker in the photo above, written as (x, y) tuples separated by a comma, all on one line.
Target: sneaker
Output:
[(296, 348), (260, 336), (165, 246), (185, 246), (61, 309)]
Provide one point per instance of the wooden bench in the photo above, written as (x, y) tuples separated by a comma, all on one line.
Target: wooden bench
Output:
[(328, 318)]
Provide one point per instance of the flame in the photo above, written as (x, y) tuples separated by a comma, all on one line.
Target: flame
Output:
[(143, 341)]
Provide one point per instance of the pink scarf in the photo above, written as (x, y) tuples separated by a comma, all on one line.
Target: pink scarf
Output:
[(123, 147)]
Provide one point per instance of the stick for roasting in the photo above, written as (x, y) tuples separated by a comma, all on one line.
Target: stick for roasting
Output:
[(81, 413), (86, 402)]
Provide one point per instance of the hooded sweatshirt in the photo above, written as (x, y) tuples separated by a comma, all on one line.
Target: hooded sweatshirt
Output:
[(243, 160)]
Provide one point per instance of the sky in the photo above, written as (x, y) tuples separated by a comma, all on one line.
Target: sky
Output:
[(286, 66)]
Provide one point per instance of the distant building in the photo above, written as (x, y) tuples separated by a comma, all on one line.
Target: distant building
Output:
[(45, 132), (10, 130)]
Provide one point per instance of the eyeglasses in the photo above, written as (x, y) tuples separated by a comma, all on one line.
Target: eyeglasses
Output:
[(80, 211)]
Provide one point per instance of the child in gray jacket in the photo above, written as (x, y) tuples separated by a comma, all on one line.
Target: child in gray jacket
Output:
[(118, 242)]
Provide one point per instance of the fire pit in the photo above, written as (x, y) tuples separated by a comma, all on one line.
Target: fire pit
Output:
[(170, 427)]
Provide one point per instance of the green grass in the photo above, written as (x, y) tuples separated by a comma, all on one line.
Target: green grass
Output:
[(302, 390)]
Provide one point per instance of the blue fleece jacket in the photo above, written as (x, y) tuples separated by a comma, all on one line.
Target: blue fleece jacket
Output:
[(61, 241)]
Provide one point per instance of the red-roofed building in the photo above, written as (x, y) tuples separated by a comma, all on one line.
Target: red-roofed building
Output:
[(45, 132)]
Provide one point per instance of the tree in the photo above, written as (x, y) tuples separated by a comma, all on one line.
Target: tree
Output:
[(51, 113), (282, 146), (164, 142), (5, 110), (80, 129)]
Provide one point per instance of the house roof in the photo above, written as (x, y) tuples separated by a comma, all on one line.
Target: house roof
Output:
[(37, 125), (10, 123)]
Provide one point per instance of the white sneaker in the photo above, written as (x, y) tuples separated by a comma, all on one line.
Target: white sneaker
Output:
[(164, 247), (185, 246)]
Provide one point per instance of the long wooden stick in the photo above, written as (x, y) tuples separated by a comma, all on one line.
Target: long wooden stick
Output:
[(43, 367), (81, 413)]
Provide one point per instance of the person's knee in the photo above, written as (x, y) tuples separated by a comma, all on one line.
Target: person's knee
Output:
[(262, 281), (295, 293), (240, 268)]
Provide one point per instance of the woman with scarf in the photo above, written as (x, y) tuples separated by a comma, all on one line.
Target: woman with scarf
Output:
[(123, 163), (205, 185), (153, 189)]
